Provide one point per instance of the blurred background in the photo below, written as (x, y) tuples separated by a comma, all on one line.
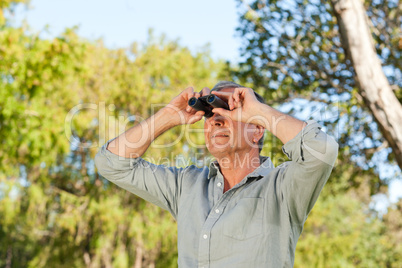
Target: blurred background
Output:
[(74, 74)]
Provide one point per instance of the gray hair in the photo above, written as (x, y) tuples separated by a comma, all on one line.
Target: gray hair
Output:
[(229, 84)]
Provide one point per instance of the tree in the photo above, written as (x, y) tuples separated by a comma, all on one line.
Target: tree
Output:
[(295, 50), (338, 233), (8, 5), (55, 210), (373, 85)]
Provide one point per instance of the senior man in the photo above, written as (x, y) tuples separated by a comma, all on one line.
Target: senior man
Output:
[(241, 211)]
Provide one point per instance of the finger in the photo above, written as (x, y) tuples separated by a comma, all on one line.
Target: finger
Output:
[(191, 110), (251, 91), (205, 91), (235, 105), (247, 93), (225, 95), (199, 113), (252, 94), (237, 101), (189, 92), (231, 103), (236, 94), (195, 118), (221, 111)]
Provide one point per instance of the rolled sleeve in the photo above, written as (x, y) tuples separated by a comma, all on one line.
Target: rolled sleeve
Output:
[(313, 154), (157, 184)]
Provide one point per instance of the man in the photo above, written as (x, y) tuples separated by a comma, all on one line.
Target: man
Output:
[(241, 211)]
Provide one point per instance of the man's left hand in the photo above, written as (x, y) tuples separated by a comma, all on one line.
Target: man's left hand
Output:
[(243, 105)]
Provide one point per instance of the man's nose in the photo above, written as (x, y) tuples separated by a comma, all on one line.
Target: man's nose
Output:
[(217, 120)]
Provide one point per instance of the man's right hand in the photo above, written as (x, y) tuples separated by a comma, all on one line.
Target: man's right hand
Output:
[(181, 113), (134, 142)]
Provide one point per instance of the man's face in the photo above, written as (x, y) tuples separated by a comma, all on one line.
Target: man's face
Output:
[(224, 136)]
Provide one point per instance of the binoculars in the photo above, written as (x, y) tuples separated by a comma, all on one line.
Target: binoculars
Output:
[(207, 103)]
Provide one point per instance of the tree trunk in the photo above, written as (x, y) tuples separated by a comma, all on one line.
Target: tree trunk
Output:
[(9, 257), (139, 254), (373, 85)]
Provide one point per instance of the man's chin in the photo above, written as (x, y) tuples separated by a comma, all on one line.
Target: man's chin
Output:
[(219, 149)]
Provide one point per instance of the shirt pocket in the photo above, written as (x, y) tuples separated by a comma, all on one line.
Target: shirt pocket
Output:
[(245, 219)]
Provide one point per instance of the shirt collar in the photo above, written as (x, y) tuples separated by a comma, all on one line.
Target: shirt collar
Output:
[(264, 168), (213, 169), (261, 171)]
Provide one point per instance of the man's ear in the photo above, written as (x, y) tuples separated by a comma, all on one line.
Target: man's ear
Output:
[(259, 132)]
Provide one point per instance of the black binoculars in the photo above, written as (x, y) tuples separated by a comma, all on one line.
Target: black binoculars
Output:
[(207, 103)]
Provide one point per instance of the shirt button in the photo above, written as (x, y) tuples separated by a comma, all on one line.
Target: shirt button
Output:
[(205, 236), (219, 184), (217, 210)]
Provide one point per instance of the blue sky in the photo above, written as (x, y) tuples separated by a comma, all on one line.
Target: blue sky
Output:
[(122, 22)]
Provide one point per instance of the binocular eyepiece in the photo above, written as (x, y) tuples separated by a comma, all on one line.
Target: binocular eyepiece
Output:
[(207, 103)]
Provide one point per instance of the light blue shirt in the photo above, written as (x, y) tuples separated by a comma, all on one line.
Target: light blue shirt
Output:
[(254, 224)]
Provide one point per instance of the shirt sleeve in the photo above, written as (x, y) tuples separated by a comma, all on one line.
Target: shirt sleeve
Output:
[(312, 153), (157, 184)]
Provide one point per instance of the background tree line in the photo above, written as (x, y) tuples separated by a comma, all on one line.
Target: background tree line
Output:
[(55, 210)]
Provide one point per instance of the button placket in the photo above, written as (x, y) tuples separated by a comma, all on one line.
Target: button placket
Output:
[(214, 215), (218, 188)]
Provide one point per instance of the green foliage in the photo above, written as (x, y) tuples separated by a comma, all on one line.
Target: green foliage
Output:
[(8, 5), (55, 211), (38, 78), (292, 50), (340, 233)]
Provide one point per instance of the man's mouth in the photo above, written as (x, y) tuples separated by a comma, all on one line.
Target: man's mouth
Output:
[(220, 135)]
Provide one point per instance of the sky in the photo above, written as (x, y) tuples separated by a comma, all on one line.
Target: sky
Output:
[(121, 22)]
